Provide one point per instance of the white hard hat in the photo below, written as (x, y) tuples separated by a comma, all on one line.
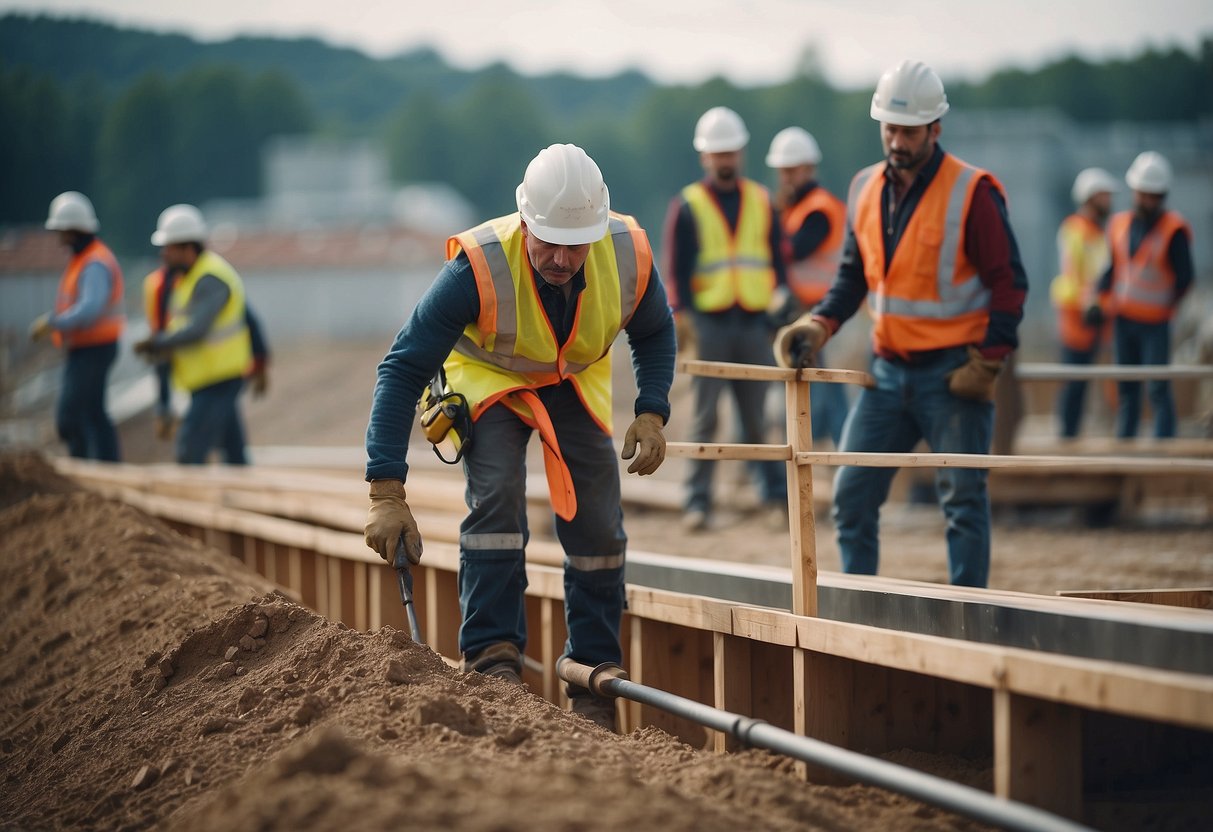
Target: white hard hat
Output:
[(180, 224), (909, 94), (793, 146), (562, 198), (1090, 182), (720, 130), (1150, 173), (72, 211)]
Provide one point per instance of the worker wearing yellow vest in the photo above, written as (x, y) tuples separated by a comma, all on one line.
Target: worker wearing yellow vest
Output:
[(521, 320), (930, 246), (723, 264), (814, 224), (88, 321), (206, 338), (1083, 253), (1150, 272)]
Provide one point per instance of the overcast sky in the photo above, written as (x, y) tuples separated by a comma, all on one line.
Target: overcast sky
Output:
[(748, 41)]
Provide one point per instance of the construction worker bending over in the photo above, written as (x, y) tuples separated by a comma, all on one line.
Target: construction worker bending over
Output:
[(87, 322), (723, 262), (929, 244), (157, 289), (206, 338), (520, 321), (814, 225), (1082, 250), (1150, 273)]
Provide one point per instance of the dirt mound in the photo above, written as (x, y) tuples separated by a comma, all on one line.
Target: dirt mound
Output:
[(146, 681), (24, 474)]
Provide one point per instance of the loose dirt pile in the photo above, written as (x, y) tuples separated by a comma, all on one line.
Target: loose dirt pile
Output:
[(146, 681)]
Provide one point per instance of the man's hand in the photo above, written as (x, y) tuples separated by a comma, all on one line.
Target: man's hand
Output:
[(684, 331), (166, 426), (1093, 316), (645, 433), (975, 378), (259, 379), (40, 328), (388, 520), (149, 351), (796, 345)]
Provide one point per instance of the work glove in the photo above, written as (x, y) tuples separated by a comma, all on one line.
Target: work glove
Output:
[(149, 351), (645, 433), (1093, 316), (388, 520), (796, 345), (975, 378), (684, 331), (259, 379), (166, 426), (40, 328)]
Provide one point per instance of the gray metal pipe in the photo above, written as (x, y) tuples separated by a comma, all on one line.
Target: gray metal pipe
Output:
[(610, 680)]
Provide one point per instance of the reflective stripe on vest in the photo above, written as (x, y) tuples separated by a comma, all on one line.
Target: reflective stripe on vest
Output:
[(734, 267), (1144, 283), (810, 277), (226, 351), (108, 327), (931, 296)]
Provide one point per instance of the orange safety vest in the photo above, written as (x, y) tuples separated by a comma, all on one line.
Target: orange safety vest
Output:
[(155, 288), (1144, 283), (511, 350), (1084, 255), (810, 278), (931, 296), (108, 327)]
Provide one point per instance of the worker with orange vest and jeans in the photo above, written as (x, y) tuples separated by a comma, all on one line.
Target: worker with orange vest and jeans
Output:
[(930, 246), (814, 226), (1150, 273), (1083, 252), (723, 264), (520, 322), (88, 321)]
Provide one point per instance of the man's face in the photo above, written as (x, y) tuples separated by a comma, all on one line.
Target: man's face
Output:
[(556, 264), (790, 179), (722, 168), (1148, 206), (1101, 205), (908, 148), (178, 256)]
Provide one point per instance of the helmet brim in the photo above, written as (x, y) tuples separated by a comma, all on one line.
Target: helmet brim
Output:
[(568, 236)]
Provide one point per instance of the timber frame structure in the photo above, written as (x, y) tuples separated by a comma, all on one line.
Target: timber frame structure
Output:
[(1064, 732)]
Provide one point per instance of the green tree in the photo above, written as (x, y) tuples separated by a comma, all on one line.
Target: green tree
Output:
[(418, 140)]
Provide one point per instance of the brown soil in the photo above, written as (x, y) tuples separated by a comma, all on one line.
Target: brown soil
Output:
[(147, 681)]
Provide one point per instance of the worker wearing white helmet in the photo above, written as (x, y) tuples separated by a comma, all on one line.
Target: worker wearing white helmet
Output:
[(723, 264), (514, 337), (930, 247), (814, 222), (1150, 273), (206, 338), (87, 322), (1083, 253)]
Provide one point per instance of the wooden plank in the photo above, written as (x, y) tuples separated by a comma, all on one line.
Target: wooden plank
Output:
[(802, 525), (374, 599), (1112, 465), (823, 696), (727, 450), (754, 372), (675, 659), (1038, 753), (772, 692), (294, 570), (269, 554), (1198, 598), (685, 610), (362, 612), (731, 674), (309, 578), (1116, 372)]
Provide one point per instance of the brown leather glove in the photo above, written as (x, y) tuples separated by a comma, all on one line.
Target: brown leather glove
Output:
[(40, 328), (684, 331), (166, 426), (259, 380), (797, 344), (975, 378), (645, 433), (389, 520)]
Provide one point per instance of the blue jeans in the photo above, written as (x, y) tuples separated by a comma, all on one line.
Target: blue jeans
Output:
[(80, 417), (1137, 344), (828, 409), (912, 402), (493, 536), (1070, 401), (743, 338), (213, 421)]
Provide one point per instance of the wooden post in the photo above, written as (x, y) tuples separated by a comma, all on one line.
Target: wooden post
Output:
[(803, 527), (1038, 752), (731, 678)]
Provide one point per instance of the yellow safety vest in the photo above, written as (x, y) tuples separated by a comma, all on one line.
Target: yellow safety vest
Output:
[(226, 351), (735, 267), (511, 349), (1084, 254)]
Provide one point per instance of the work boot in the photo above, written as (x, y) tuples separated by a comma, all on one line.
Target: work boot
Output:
[(502, 660), (695, 520), (596, 709)]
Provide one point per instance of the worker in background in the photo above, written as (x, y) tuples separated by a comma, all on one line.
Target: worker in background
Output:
[(929, 244), (723, 264), (1150, 273), (87, 322), (1082, 250), (520, 321), (157, 289), (205, 338), (814, 224)]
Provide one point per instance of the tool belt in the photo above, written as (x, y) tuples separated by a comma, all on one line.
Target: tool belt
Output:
[(446, 420)]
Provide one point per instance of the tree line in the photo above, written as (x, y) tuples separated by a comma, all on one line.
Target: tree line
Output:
[(137, 137)]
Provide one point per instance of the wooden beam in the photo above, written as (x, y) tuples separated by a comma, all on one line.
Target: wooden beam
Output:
[(1111, 464), (802, 524), (755, 372), (1197, 598), (1116, 372), (727, 450), (1038, 753), (731, 675)]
